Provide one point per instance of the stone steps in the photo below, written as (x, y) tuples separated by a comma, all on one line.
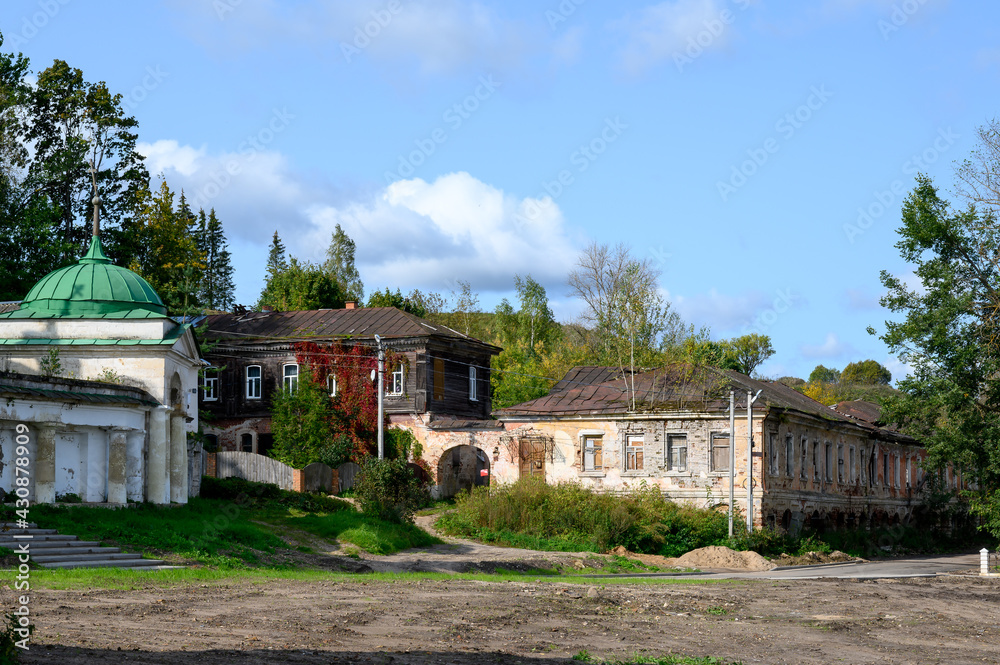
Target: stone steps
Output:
[(49, 549)]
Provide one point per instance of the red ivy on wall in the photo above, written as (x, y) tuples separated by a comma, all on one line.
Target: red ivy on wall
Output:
[(354, 409)]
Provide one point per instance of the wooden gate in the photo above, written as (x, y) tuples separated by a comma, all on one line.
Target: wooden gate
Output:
[(345, 474), (533, 451)]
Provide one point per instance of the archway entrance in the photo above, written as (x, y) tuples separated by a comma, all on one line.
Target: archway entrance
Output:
[(462, 468)]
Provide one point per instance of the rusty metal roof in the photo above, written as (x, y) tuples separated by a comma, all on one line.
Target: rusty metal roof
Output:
[(677, 387), (868, 412), (362, 323)]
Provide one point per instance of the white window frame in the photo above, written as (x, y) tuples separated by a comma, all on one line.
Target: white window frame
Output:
[(290, 382), (633, 443), (210, 395), (473, 385), (597, 435), (682, 438), (257, 381), (331, 385), (395, 387), (711, 451)]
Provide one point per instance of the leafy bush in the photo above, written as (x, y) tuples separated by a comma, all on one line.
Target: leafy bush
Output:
[(570, 517), (388, 489)]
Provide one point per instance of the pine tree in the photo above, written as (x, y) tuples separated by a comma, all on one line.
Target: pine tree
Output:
[(276, 260), (217, 286), (340, 265)]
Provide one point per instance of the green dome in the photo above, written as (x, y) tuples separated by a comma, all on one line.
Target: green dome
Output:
[(94, 287)]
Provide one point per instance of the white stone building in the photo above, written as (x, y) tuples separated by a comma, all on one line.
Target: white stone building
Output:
[(107, 384)]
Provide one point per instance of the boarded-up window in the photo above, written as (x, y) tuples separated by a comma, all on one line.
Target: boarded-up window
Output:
[(633, 452), (677, 452), (804, 444), (840, 462), (720, 452), (817, 460), (593, 453), (533, 451), (789, 456), (772, 452), (851, 464), (439, 378), (828, 461)]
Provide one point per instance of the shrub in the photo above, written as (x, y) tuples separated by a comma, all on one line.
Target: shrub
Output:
[(388, 490), (251, 493)]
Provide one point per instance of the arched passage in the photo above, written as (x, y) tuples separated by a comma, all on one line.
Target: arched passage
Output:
[(462, 468)]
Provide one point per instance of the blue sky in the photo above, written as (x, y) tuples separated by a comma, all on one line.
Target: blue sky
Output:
[(757, 152)]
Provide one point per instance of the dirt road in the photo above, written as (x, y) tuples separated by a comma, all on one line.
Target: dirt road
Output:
[(937, 620)]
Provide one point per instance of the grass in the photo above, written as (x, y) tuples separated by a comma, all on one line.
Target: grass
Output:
[(131, 580), (238, 525)]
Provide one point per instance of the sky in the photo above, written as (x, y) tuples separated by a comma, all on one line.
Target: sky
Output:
[(756, 152)]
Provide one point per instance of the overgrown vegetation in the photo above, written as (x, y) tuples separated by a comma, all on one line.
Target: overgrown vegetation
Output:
[(639, 659), (387, 489), (568, 517), (234, 524)]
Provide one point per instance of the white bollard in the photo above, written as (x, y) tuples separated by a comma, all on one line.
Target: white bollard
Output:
[(984, 562)]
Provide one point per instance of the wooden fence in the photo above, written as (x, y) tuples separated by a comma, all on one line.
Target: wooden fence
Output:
[(251, 466)]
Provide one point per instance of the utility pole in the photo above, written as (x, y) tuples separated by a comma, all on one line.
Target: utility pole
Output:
[(381, 394), (751, 398), (732, 458)]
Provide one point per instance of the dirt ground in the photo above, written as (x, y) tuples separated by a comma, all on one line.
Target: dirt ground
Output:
[(928, 620), (947, 619)]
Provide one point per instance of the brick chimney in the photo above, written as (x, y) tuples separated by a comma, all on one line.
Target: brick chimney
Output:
[(351, 304)]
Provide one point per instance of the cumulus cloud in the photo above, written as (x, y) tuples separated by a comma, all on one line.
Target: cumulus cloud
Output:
[(432, 234), (410, 234), (659, 32)]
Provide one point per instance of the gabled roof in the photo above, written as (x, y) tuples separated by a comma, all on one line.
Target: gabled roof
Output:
[(359, 323), (678, 387)]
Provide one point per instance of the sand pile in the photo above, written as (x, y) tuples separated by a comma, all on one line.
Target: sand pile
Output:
[(723, 557)]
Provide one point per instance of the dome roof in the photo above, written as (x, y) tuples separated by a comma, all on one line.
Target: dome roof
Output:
[(94, 287)]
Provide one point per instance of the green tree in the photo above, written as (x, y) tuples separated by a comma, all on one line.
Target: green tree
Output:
[(72, 124), (217, 286), (405, 303), (169, 259), (301, 286), (867, 372), (276, 261), (745, 353), (821, 374), (948, 335), (340, 265), (300, 422)]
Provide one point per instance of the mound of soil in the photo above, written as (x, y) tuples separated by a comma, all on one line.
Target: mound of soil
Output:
[(812, 558), (723, 557)]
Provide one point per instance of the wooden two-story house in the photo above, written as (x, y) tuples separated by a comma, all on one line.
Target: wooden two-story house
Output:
[(438, 375)]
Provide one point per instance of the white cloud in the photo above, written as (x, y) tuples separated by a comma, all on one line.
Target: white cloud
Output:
[(411, 234), (662, 31), (831, 348), (430, 235), (750, 311)]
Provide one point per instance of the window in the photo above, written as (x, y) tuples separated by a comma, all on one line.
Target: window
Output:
[(885, 469), (772, 451), (246, 443), (291, 378), (828, 462), (720, 452), (677, 452), (211, 387), (909, 471), (851, 464), (817, 460), (789, 456), (396, 386), (805, 456), (331, 385), (840, 462), (439, 378), (895, 470), (253, 382), (633, 452), (593, 456), (473, 394)]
